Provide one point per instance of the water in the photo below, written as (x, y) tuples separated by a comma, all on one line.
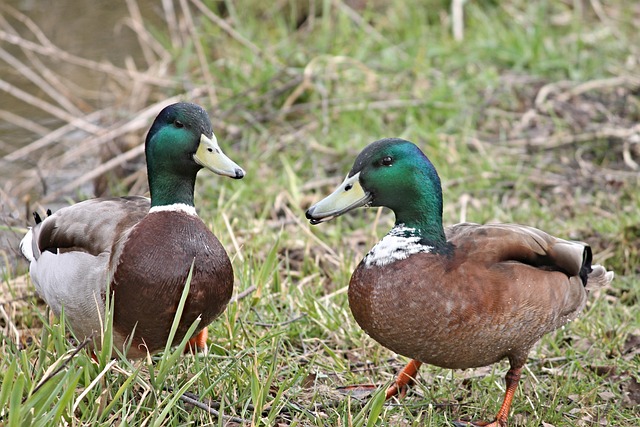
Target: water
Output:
[(97, 30), (93, 29)]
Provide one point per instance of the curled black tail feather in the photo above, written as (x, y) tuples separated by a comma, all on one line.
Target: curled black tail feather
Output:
[(37, 217), (587, 257)]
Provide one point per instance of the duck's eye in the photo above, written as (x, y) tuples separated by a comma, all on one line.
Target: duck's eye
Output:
[(387, 161), (178, 124)]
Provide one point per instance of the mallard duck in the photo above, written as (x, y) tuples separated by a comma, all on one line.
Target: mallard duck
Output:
[(464, 297), (141, 248)]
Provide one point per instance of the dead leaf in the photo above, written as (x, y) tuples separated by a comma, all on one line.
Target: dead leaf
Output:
[(573, 397), (631, 344), (606, 395), (310, 380), (631, 390), (604, 371)]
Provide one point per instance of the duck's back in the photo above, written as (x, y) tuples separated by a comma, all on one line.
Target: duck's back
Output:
[(492, 295)]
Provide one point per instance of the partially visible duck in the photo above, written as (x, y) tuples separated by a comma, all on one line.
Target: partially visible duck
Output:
[(462, 297), (140, 249)]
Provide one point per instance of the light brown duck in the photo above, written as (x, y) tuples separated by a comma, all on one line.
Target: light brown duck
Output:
[(464, 297)]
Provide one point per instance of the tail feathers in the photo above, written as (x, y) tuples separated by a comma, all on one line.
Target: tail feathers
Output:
[(599, 277), (37, 218), (586, 268), (26, 245)]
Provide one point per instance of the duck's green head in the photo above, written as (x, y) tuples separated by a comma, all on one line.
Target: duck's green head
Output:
[(393, 173), (179, 144)]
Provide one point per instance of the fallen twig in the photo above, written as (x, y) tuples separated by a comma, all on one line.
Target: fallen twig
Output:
[(193, 400), (286, 322), (251, 289), (59, 368), (555, 141)]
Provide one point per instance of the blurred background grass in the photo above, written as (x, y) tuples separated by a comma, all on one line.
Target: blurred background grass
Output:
[(529, 111)]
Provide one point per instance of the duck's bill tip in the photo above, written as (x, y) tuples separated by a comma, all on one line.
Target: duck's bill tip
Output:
[(239, 173), (348, 196), (318, 220)]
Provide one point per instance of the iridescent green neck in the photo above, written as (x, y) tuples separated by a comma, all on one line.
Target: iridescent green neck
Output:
[(422, 212), (168, 187)]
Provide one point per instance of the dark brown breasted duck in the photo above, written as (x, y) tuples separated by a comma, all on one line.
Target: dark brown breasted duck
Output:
[(143, 249)]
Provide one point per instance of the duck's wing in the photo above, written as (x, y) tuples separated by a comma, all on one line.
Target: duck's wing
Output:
[(537, 280), (499, 243), (92, 226), (70, 255)]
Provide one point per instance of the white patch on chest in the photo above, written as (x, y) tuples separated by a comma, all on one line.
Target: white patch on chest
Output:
[(176, 207), (398, 244)]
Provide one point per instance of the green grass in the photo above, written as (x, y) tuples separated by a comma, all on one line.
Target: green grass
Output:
[(277, 355)]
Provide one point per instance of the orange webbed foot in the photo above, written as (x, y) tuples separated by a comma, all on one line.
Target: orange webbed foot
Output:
[(399, 388), (198, 343), (405, 378), (512, 379)]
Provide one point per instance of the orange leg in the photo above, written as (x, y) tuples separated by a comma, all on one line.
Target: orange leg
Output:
[(198, 342), (404, 380), (512, 379)]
